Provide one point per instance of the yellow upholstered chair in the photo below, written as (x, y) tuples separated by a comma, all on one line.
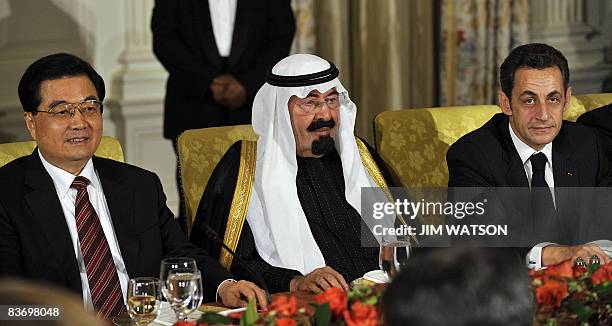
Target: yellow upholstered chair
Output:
[(199, 151), (109, 148), (414, 142)]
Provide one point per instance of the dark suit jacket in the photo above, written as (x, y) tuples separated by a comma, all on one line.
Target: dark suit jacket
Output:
[(487, 157), (35, 242), (184, 43), (601, 119)]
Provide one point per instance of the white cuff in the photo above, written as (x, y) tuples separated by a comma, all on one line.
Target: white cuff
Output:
[(218, 287), (534, 256)]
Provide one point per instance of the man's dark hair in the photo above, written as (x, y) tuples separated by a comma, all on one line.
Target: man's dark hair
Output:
[(535, 56), (461, 286), (54, 66)]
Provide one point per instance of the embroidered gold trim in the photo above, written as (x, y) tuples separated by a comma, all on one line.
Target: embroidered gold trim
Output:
[(370, 165), (240, 201)]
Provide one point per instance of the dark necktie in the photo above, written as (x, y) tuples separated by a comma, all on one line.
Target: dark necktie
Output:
[(101, 271), (541, 197)]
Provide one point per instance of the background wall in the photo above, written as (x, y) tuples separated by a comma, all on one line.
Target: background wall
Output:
[(114, 36)]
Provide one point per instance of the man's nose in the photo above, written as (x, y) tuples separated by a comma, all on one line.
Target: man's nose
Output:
[(543, 112), (77, 120), (324, 113)]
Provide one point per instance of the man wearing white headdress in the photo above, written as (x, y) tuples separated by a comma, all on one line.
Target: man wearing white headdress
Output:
[(298, 187)]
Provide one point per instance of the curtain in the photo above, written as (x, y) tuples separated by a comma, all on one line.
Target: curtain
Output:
[(304, 40), (5, 9), (476, 36), (384, 50)]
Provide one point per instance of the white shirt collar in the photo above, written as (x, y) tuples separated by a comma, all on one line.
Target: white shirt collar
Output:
[(525, 151), (63, 179)]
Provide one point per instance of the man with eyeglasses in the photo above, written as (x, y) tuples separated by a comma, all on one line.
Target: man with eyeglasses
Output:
[(289, 204), (83, 222)]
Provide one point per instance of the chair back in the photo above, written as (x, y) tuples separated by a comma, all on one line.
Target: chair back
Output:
[(199, 151)]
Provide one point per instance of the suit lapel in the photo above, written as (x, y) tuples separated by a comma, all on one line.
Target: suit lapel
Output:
[(205, 30), (241, 30), (515, 173), (565, 170), (45, 207), (120, 200)]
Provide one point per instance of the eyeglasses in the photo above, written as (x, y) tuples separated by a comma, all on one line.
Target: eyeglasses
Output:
[(65, 111), (314, 106)]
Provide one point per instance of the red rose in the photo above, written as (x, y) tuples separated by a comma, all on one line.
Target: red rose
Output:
[(284, 305), (361, 315), (550, 294), (603, 274), (336, 298), (284, 322)]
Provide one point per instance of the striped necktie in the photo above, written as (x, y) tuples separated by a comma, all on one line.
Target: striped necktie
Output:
[(101, 271)]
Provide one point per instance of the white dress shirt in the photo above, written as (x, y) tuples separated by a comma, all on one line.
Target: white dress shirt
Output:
[(222, 16), (67, 196), (534, 256)]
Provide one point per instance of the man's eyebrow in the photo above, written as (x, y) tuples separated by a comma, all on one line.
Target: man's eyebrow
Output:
[(527, 93), (56, 102), (333, 93), (553, 93)]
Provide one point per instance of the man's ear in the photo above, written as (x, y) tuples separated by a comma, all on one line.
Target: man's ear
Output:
[(568, 98), (28, 117), (504, 103)]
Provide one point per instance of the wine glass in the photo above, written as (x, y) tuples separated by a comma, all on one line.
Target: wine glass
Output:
[(196, 299), (393, 256), (143, 299), (182, 292), (183, 267)]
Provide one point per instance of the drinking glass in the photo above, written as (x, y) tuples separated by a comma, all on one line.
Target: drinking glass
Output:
[(179, 289), (196, 299), (393, 256), (182, 288), (143, 299)]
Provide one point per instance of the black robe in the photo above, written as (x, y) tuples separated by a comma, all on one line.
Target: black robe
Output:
[(336, 226)]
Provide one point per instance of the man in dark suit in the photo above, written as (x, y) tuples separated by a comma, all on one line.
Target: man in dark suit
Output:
[(601, 118), (214, 72), (83, 222), (529, 145)]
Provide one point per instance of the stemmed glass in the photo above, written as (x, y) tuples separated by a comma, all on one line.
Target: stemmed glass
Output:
[(393, 255), (143, 299), (186, 292), (179, 283)]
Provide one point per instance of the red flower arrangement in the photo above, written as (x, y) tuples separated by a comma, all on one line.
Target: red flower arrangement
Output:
[(359, 307), (570, 295)]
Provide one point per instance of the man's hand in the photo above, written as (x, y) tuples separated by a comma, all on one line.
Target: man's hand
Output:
[(237, 294), (228, 91), (318, 281), (554, 254)]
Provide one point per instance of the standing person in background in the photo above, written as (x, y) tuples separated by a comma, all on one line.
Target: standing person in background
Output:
[(217, 53)]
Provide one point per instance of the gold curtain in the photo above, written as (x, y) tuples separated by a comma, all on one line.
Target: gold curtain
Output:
[(384, 50), (477, 35)]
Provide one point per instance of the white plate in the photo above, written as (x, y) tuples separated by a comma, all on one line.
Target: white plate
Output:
[(377, 276)]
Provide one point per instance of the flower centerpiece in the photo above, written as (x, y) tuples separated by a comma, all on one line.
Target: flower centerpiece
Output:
[(358, 307), (571, 295)]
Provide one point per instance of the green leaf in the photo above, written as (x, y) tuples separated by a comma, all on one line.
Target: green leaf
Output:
[(370, 301), (250, 316), (322, 315), (593, 268), (214, 318)]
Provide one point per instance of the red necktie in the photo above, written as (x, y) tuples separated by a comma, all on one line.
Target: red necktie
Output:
[(101, 271)]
